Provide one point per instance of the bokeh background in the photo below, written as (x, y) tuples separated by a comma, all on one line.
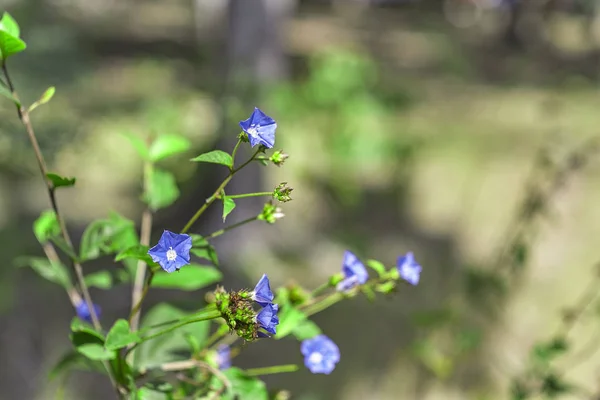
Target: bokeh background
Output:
[(463, 130)]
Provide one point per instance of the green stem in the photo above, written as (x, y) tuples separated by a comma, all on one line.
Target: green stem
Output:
[(135, 310), (243, 196), (230, 227), (217, 192), (234, 152), (210, 314), (320, 289), (323, 304), (276, 369)]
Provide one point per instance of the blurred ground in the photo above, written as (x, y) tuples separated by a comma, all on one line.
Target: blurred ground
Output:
[(410, 127)]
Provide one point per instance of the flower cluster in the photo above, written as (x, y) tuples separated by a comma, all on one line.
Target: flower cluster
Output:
[(237, 310)]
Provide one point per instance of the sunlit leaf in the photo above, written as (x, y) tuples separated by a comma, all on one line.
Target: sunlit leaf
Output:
[(60, 181), (228, 206), (215, 157), (167, 145), (162, 189), (46, 97), (190, 277)]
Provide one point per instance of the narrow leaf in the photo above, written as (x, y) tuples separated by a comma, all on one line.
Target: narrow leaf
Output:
[(167, 145), (4, 91), (60, 181), (55, 272), (228, 206), (215, 157), (46, 97)]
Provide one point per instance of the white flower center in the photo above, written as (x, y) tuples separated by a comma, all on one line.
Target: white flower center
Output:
[(253, 130), (171, 254), (315, 358)]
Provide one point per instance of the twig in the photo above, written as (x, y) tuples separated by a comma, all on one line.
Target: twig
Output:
[(24, 117)]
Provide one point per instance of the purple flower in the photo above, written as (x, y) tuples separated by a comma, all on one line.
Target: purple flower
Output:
[(172, 251), (354, 271), (262, 292), (260, 129), (320, 354), (83, 311), (267, 318), (224, 356), (409, 269)]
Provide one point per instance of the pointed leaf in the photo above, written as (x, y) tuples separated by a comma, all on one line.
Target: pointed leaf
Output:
[(215, 157), (53, 271), (190, 277), (228, 206), (46, 97), (162, 189), (60, 181), (10, 45), (9, 25), (91, 346), (167, 145), (120, 336), (100, 279), (138, 144), (289, 318), (4, 91), (137, 252)]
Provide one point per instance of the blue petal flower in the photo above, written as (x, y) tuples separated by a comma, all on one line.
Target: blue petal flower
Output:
[(409, 269), (354, 271), (83, 311), (262, 292), (260, 129), (172, 251), (267, 318), (224, 356), (320, 354)]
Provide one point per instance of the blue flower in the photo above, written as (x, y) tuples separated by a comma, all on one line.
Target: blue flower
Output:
[(354, 271), (224, 356), (267, 318), (172, 251), (83, 311), (409, 269), (260, 129), (262, 292), (320, 354)]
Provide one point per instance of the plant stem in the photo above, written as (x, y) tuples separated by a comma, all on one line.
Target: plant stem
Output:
[(218, 191), (210, 314), (140, 273), (323, 304), (276, 369), (320, 289), (245, 195), (138, 305), (24, 117), (230, 227)]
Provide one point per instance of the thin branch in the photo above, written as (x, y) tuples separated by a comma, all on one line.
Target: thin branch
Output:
[(24, 117)]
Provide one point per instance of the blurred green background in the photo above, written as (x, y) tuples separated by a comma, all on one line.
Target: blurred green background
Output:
[(425, 125)]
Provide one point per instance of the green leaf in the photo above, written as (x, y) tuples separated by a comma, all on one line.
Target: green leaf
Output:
[(386, 287), (120, 336), (162, 189), (138, 252), (377, 267), (167, 145), (10, 45), (46, 97), (46, 226), (91, 346), (74, 361), (4, 91), (100, 279), (289, 318), (165, 348), (190, 277), (228, 206), (215, 157), (60, 181), (9, 25), (202, 249), (139, 145), (55, 272), (77, 325), (306, 330), (244, 386), (544, 353), (107, 236)]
